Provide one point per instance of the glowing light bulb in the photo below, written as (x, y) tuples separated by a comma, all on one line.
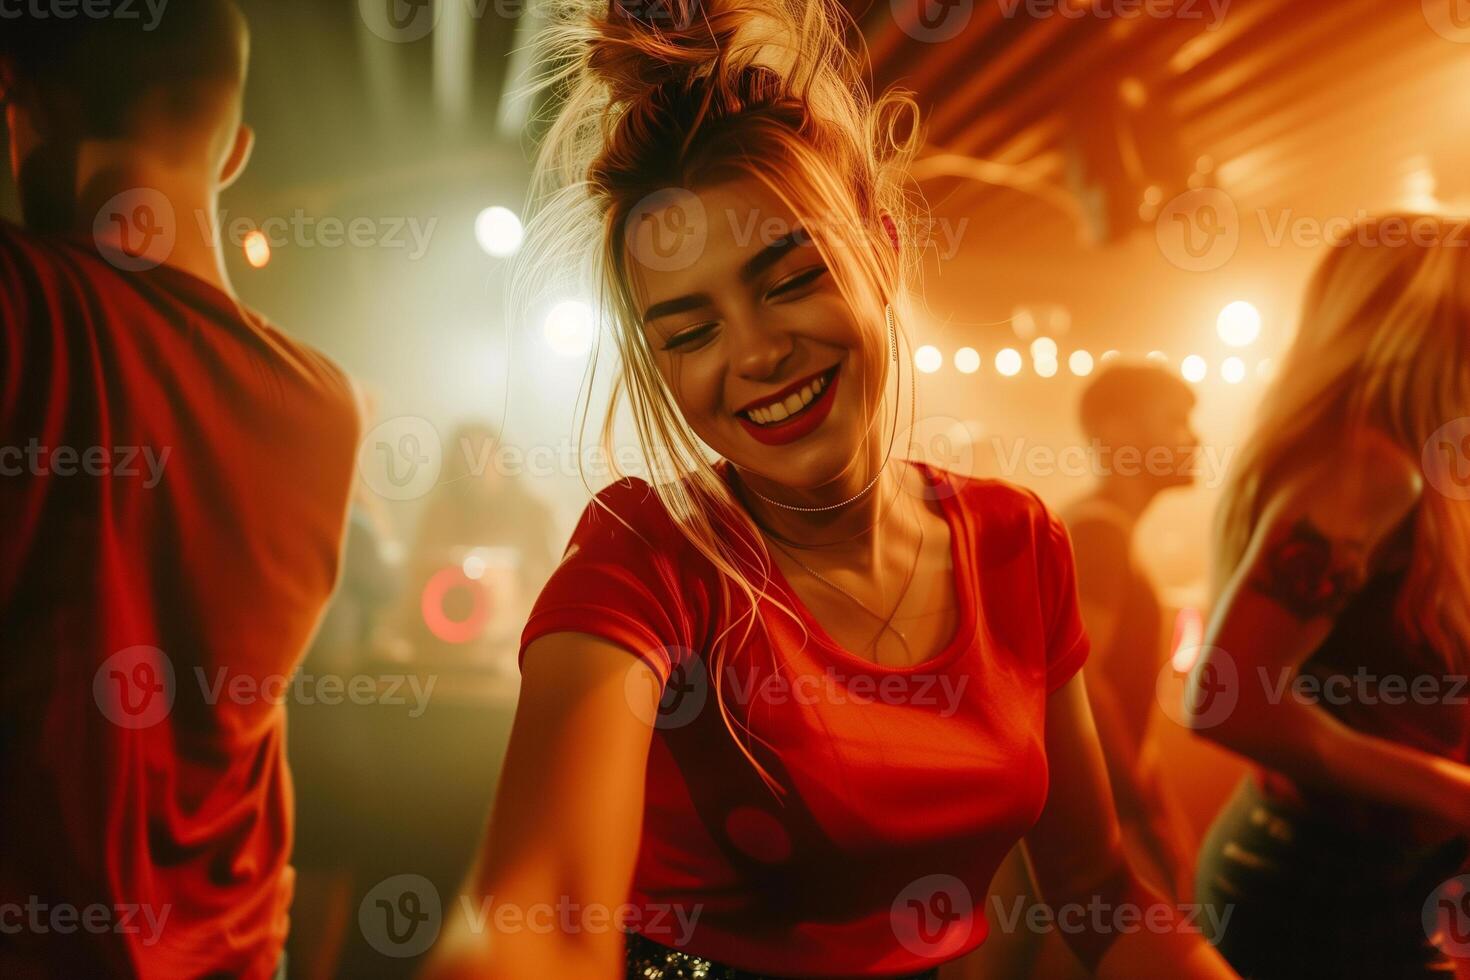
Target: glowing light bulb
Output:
[(1239, 324), (499, 232), (928, 359)]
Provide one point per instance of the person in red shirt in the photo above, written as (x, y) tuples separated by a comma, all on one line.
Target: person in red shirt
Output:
[(174, 476), (783, 711)]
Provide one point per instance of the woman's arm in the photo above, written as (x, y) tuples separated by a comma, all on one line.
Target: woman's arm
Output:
[(1311, 551), (1119, 927), (565, 827), (1114, 923)]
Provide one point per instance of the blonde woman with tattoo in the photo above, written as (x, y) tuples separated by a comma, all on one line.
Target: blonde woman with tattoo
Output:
[(1336, 654)]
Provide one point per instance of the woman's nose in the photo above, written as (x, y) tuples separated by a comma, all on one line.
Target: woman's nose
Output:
[(759, 346)]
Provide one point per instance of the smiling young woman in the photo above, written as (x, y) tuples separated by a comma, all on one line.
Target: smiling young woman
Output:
[(787, 703)]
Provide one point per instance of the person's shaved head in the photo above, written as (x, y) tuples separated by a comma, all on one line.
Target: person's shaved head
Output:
[(167, 90), (97, 77)]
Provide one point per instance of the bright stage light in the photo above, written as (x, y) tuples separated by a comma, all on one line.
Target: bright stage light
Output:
[(1008, 362), (569, 327), (1043, 349), (967, 360), (1158, 357), (928, 359), (499, 232), (1046, 368), (1194, 368), (1080, 363), (1233, 370), (1108, 355), (1239, 324), (257, 249)]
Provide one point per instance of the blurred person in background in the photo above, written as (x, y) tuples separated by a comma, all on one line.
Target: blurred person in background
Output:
[(175, 480), (1137, 418), (482, 550), (1336, 651), (427, 752)]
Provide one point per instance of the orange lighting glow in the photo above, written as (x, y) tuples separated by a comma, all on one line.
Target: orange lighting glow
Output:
[(257, 249)]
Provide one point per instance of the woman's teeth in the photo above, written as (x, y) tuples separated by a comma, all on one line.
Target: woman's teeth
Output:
[(782, 410)]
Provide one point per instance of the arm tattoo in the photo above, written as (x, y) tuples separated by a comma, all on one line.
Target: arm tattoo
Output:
[(1307, 574)]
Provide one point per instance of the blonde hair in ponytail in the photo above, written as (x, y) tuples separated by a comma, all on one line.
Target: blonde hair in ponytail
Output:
[(706, 92)]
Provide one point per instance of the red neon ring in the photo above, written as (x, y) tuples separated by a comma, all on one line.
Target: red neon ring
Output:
[(431, 603)]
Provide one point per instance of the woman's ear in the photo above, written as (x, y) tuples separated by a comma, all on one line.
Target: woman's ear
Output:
[(890, 226)]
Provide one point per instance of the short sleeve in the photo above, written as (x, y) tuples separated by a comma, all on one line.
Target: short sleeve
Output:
[(1067, 643), (621, 582)]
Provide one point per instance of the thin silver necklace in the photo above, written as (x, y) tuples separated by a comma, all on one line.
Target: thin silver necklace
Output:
[(893, 346), (886, 621)]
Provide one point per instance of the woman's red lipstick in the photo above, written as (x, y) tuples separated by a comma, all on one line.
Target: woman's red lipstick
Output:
[(798, 425)]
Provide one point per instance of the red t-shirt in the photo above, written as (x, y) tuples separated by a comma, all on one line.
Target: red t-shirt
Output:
[(174, 476), (908, 784)]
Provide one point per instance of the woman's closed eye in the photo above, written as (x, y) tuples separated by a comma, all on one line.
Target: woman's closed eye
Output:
[(683, 339), (793, 285), (789, 288)]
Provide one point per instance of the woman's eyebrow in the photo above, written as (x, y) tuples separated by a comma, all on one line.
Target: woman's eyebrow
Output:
[(773, 253), (752, 268), (679, 304)]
